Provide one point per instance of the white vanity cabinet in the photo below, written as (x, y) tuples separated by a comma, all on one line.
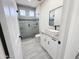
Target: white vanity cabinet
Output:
[(49, 45), (43, 41)]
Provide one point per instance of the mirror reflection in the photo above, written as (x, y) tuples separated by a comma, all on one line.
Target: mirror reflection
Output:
[(55, 17)]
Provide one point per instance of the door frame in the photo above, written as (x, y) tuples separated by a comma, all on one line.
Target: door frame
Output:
[(5, 48), (65, 26)]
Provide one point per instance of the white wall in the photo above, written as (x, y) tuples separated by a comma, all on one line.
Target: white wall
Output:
[(44, 12), (37, 11), (72, 46)]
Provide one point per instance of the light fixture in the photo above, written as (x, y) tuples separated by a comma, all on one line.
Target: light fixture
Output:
[(39, 0), (29, 0)]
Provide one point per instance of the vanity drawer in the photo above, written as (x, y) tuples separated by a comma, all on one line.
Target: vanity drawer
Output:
[(51, 47), (43, 41)]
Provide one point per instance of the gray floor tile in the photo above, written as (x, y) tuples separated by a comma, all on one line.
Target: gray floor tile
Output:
[(32, 49)]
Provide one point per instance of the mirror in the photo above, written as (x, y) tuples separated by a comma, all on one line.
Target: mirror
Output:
[(55, 17)]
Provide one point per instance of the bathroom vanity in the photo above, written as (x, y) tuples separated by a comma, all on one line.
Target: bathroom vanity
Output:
[(49, 41), (49, 37)]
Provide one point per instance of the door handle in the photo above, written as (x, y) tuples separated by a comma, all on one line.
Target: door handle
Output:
[(17, 11), (21, 37)]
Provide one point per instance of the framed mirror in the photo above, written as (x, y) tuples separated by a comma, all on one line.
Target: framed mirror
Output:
[(55, 17)]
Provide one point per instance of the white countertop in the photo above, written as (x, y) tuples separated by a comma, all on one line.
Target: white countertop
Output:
[(52, 33)]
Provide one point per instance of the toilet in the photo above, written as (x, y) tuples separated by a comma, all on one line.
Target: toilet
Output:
[(37, 36)]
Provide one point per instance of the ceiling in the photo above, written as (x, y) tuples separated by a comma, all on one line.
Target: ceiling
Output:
[(31, 3)]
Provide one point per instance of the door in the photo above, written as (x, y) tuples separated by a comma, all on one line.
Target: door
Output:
[(2, 54), (10, 26), (4, 43), (15, 29)]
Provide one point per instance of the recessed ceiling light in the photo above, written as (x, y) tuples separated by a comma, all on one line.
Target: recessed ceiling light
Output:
[(29, 0)]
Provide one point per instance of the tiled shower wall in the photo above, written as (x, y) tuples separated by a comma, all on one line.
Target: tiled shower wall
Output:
[(29, 28)]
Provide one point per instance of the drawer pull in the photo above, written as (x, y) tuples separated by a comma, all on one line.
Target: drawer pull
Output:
[(53, 39), (45, 40), (48, 42)]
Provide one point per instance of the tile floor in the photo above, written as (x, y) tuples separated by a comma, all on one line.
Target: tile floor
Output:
[(32, 49)]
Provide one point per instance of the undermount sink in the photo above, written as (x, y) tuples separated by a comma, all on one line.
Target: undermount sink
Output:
[(53, 33)]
